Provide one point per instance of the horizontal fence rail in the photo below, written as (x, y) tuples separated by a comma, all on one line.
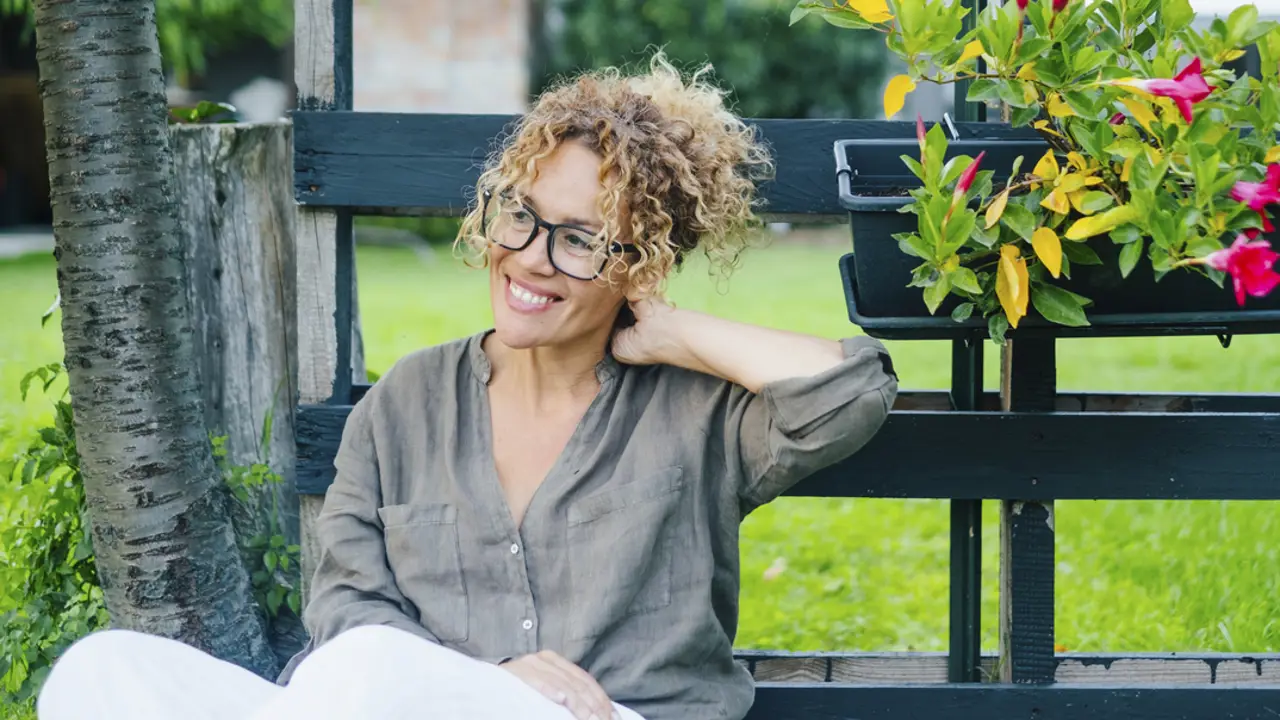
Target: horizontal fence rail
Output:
[(377, 163), (1065, 455), (975, 701), (1152, 668)]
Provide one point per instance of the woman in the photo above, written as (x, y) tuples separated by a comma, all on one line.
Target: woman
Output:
[(541, 520)]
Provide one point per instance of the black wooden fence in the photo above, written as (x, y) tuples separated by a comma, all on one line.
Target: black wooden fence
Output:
[(1060, 446)]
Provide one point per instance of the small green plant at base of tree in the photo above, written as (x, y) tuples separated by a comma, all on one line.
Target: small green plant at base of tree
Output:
[(49, 593), (269, 556), (50, 596)]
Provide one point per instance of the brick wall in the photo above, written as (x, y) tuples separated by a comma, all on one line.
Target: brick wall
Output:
[(463, 56)]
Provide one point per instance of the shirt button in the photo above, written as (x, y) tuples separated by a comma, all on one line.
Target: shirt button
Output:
[(515, 548), (527, 624)]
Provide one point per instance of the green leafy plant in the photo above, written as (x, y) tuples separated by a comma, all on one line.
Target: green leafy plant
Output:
[(203, 112), (1155, 145), (273, 561), (49, 592)]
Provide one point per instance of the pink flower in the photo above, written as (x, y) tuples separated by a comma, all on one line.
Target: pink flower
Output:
[(1249, 262), (966, 178), (1022, 5), (1117, 119), (1060, 5), (1185, 89), (1259, 195), (920, 134)]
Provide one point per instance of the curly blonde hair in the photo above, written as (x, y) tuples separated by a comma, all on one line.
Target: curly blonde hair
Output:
[(678, 167)]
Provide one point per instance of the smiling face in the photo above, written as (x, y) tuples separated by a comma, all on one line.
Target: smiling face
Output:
[(534, 305)]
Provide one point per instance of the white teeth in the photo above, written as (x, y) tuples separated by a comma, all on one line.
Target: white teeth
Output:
[(528, 297)]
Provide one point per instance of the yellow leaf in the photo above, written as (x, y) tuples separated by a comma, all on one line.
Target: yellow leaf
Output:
[(1049, 249), (1076, 198), (1077, 161), (1092, 180), (873, 11), (895, 94), (971, 51), (1028, 72), (1029, 93), (1227, 56), (952, 264), (1013, 286), (1128, 167), (1058, 107), (996, 208), (1139, 111), (1071, 183), (1273, 155), (1057, 202), (1047, 168), (1043, 126), (1098, 224)]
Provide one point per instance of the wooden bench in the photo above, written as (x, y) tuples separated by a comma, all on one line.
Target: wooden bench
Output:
[(348, 163)]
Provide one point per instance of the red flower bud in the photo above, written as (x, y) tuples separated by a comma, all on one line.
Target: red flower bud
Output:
[(966, 178)]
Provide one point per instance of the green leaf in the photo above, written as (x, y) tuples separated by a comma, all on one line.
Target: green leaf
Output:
[(1126, 234), (269, 559), (963, 311), (914, 244), (1241, 20), (1020, 220), (1058, 305), (983, 90), (959, 227), (1129, 255), (802, 9), (1081, 254), (997, 326), (936, 293), (1096, 200), (1021, 117), (964, 279)]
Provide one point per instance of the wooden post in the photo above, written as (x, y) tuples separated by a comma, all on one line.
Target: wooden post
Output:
[(1028, 384), (326, 262), (237, 212), (965, 645)]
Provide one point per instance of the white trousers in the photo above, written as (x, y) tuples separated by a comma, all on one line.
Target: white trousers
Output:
[(367, 673)]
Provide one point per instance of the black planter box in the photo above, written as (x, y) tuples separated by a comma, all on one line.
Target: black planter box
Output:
[(872, 177)]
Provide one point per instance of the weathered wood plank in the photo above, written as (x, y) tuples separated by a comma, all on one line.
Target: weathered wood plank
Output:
[(325, 272), (1071, 667), (238, 217), (1142, 467), (981, 701), (965, 623), (372, 161), (1029, 383)]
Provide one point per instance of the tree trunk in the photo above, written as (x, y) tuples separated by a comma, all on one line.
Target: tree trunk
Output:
[(162, 533), (234, 186)]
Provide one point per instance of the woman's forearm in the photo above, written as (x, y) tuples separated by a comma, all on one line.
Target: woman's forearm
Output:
[(749, 355)]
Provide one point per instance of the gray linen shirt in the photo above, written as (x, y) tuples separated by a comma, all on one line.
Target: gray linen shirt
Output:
[(626, 562)]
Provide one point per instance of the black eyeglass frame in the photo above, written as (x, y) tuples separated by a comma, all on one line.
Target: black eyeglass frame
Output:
[(615, 248)]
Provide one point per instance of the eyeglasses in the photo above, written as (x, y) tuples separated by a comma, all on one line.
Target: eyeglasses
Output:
[(572, 250)]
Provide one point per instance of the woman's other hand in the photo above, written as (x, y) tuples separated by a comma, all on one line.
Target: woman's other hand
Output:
[(565, 683), (651, 338)]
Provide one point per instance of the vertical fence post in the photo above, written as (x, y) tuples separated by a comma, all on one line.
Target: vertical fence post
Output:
[(965, 643), (325, 253), (965, 656), (1028, 384)]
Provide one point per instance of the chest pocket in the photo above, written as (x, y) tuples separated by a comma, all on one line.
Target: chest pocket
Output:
[(425, 556), (621, 551)]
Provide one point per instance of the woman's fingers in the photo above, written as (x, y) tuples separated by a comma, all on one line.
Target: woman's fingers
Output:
[(563, 683), (586, 690)]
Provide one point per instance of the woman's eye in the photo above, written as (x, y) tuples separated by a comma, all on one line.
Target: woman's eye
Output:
[(521, 216), (579, 242)]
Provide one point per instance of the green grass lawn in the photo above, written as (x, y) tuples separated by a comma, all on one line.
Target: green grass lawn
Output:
[(872, 574)]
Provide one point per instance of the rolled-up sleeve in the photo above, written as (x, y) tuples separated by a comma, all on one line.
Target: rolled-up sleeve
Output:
[(794, 427)]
